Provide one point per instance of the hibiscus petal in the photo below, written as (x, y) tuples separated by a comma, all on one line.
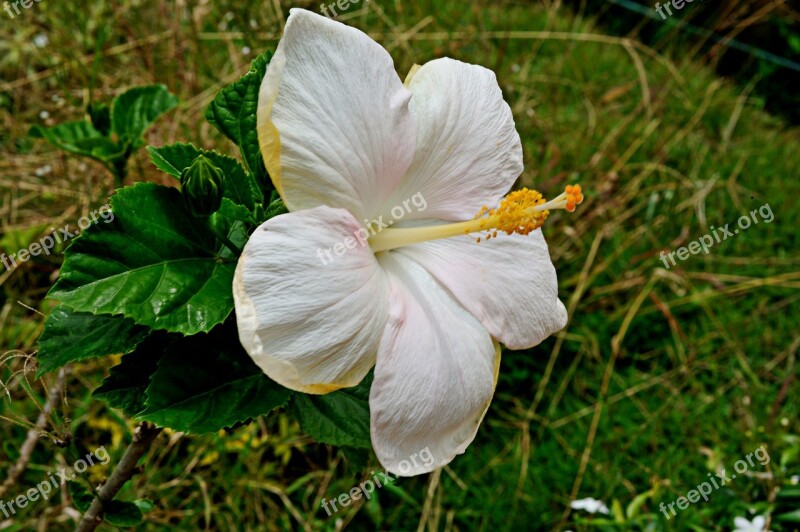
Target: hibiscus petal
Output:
[(309, 317), (435, 375), (333, 119), (508, 283), (468, 151)]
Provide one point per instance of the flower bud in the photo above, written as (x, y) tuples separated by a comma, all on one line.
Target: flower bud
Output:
[(201, 187)]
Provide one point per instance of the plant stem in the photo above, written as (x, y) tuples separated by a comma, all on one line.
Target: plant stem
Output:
[(120, 167), (223, 238), (230, 245), (37, 430), (143, 436)]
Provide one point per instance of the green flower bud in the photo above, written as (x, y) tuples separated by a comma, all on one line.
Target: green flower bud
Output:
[(201, 187)]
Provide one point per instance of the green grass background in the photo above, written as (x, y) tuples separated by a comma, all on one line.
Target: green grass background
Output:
[(661, 377)]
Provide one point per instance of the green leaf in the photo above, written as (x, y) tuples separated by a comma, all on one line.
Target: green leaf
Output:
[(173, 158), (275, 208), (233, 211), (207, 382), (135, 110), (122, 514), (80, 138), (70, 336), (145, 505), (634, 507), (153, 264), (616, 511), (789, 492), (81, 497), (339, 418), (233, 112), (126, 385), (239, 186)]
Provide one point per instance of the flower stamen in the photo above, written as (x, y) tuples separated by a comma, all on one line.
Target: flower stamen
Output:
[(521, 212), (525, 210)]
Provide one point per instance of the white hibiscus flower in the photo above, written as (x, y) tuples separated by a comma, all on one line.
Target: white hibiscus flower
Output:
[(345, 140)]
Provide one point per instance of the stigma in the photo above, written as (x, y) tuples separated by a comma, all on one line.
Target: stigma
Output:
[(520, 212)]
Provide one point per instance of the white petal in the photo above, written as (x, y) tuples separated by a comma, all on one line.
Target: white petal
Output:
[(741, 522), (435, 375), (333, 119), (581, 504), (758, 522), (508, 283), (468, 151), (590, 505), (309, 317)]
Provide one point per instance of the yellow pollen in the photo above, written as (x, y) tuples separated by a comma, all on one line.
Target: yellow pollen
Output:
[(521, 212), (515, 214)]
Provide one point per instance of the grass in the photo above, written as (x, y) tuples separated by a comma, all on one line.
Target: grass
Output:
[(662, 376)]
